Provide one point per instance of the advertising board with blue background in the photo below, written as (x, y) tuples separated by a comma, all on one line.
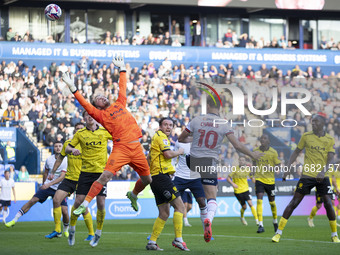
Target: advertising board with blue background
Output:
[(43, 54)]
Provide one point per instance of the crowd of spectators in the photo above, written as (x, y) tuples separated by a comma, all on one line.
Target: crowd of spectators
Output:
[(29, 94), (229, 40)]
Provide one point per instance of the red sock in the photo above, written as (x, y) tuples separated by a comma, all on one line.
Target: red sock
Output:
[(139, 186), (94, 191)]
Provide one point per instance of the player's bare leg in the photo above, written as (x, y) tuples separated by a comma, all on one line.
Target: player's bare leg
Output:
[(313, 213), (24, 209), (100, 220), (210, 194), (327, 202), (141, 183), (253, 211), (95, 189), (296, 200)]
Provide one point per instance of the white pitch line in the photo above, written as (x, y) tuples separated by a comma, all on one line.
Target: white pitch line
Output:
[(194, 235)]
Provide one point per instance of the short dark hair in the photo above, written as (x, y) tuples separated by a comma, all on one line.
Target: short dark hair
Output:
[(213, 102), (61, 141), (79, 123), (6, 171), (83, 114), (166, 118)]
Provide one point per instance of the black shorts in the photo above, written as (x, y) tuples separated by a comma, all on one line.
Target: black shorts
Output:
[(163, 188), (260, 187), (85, 182), (243, 197), (207, 167), (68, 186), (319, 198), (5, 202), (305, 185)]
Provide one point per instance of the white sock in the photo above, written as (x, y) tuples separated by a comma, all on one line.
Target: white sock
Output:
[(261, 223), (72, 228), (151, 242), (334, 234), (85, 203), (18, 215), (6, 213), (179, 239), (204, 212), (66, 226), (185, 220), (98, 232), (275, 221), (338, 217), (279, 232), (212, 207)]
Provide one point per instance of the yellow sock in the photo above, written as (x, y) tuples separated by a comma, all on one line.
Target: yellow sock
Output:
[(74, 218), (157, 229), (259, 209), (178, 224), (57, 219), (339, 212), (100, 219), (332, 223), (273, 208), (242, 212), (89, 223), (313, 212), (253, 211), (283, 223)]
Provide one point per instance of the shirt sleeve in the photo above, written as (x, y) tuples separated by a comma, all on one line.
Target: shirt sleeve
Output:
[(93, 111), (75, 140), (331, 146), (188, 128), (63, 166), (276, 158), (163, 143), (122, 89), (302, 142), (63, 153)]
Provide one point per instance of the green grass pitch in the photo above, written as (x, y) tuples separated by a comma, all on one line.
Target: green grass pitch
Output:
[(129, 237)]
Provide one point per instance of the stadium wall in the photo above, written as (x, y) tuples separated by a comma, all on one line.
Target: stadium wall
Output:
[(118, 207), (42, 54)]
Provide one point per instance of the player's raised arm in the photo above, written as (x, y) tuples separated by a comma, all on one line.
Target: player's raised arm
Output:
[(242, 148), (118, 61), (57, 163), (292, 159), (93, 111)]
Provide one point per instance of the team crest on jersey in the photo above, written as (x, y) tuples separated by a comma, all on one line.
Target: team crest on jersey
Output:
[(100, 137), (165, 141), (300, 185)]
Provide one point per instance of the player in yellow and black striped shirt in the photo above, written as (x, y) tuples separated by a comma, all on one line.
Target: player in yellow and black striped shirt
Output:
[(319, 147), (93, 142), (165, 192), (265, 179), (69, 184), (239, 180)]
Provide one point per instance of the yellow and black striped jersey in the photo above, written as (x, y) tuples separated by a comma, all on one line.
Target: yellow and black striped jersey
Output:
[(158, 163), (94, 148), (240, 178), (317, 149), (262, 172), (73, 163)]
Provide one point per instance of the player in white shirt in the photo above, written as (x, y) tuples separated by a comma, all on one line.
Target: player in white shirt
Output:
[(206, 138), (187, 179), (48, 188), (6, 185)]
